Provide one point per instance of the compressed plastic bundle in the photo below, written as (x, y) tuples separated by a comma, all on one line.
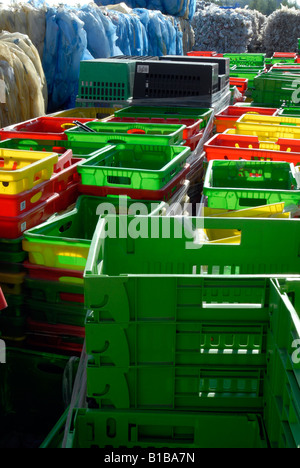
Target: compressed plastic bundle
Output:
[(182, 8), (222, 30), (100, 30), (131, 34), (258, 21), (187, 41), (163, 32), (65, 47), (21, 78), (282, 31), (21, 41)]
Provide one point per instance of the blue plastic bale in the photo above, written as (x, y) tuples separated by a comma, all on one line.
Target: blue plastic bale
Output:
[(162, 36), (101, 32), (65, 46), (131, 34)]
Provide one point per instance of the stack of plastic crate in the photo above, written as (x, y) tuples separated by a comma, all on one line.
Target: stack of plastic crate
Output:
[(277, 87), (227, 117), (246, 66), (38, 178), (143, 161), (194, 119), (181, 341), (22, 205), (58, 249)]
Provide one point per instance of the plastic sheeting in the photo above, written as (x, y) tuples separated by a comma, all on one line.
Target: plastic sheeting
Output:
[(22, 82), (183, 8)]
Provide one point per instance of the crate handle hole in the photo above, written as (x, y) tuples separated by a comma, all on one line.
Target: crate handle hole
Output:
[(65, 227), (111, 428), (136, 131), (116, 142)]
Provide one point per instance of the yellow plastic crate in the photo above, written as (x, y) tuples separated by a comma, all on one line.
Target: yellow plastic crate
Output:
[(218, 236), (69, 257), (23, 170), (265, 133), (11, 283), (269, 119), (266, 128), (86, 112), (233, 236), (275, 210)]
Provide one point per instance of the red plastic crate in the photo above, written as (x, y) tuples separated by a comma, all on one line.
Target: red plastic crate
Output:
[(284, 55), (234, 147), (63, 338), (13, 228), (194, 140), (66, 176), (3, 303), (192, 126), (163, 194), (240, 83), (67, 198), (199, 53), (40, 272), (288, 66), (41, 128), (226, 118)]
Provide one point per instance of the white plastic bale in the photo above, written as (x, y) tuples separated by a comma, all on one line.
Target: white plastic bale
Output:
[(21, 88), (25, 19), (282, 31), (222, 30)]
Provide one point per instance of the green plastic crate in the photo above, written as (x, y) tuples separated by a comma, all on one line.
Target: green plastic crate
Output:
[(166, 112), (64, 240), (133, 133), (254, 60), (55, 302), (290, 112), (274, 89), (54, 314), (174, 388), (55, 437), (249, 74), (141, 167), (235, 185), (13, 246), (31, 390), (176, 258), (106, 80), (161, 430), (138, 336)]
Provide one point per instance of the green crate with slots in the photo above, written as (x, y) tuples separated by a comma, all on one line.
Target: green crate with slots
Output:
[(133, 133), (106, 80), (249, 60), (234, 185), (138, 167)]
